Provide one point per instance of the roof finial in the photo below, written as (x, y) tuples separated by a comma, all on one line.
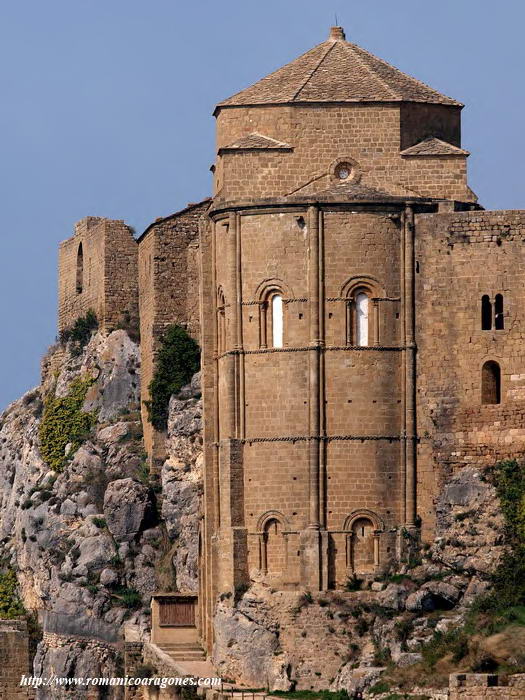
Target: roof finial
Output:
[(337, 33)]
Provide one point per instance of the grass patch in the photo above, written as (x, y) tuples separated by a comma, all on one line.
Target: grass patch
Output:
[(129, 597), (311, 694)]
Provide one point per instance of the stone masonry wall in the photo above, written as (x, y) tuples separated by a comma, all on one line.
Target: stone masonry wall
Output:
[(168, 277), (482, 686), (320, 136), (459, 258), (361, 387), (104, 278), (14, 660)]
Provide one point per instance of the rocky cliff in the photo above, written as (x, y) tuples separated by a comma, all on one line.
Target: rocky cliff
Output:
[(92, 538)]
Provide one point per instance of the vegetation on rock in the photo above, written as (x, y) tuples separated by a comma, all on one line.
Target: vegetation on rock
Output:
[(80, 332), (509, 579), (131, 325), (177, 361), (499, 615), (129, 597), (11, 606), (64, 424)]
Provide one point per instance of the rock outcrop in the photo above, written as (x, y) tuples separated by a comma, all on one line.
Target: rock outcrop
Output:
[(91, 543)]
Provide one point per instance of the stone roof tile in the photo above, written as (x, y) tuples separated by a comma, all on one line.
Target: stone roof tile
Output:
[(337, 71), (349, 191), (255, 141), (433, 146)]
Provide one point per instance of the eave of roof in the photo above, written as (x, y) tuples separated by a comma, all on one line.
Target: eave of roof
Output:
[(256, 142), (433, 146)]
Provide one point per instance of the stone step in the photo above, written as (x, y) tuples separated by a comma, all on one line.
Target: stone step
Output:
[(184, 653), (186, 657)]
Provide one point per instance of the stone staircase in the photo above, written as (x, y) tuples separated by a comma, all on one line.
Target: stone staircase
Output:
[(183, 651)]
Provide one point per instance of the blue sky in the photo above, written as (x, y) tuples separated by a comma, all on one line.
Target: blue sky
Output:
[(106, 111)]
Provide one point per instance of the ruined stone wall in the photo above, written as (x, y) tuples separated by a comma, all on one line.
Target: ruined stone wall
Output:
[(14, 655), (459, 258), (168, 278), (483, 686), (72, 303), (98, 271), (320, 136)]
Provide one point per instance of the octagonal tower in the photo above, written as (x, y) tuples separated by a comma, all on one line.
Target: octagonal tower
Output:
[(308, 318)]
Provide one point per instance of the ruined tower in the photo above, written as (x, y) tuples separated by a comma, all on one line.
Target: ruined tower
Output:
[(308, 322)]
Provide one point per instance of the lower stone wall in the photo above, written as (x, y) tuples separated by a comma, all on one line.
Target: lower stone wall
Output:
[(164, 668), (14, 660), (481, 686), (132, 662)]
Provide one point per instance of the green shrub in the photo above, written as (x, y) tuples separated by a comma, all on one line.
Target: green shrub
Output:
[(80, 332), (63, 423), (99, 522), (144, 671), (129, 597), (11, 606), (176, 363), (353, 583), (509, 579)]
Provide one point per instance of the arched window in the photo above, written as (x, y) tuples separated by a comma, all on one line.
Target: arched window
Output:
[(492, 316), (362, 320), (221, 322), (363, 530), (490, 383), (277, 321), (361, 308), (271, 331), (363, 557), (486, 313), (273, 544), (80, 269), (499, 322)]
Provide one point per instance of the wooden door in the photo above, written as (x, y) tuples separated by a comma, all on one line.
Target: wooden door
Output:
[(177, 612)]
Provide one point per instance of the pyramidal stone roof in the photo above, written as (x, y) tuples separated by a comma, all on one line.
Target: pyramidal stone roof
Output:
[(337, 71)]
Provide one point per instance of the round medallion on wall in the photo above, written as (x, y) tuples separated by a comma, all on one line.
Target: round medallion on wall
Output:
[(343, 171)]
